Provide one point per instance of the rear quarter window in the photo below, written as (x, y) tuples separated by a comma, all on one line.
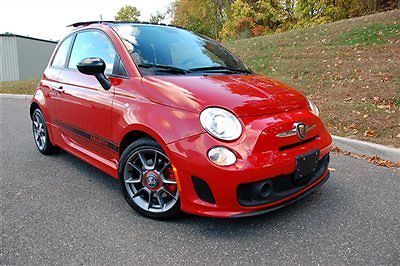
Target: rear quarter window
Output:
[(61, 55)]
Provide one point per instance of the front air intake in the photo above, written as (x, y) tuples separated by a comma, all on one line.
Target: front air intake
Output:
[(203, 190)]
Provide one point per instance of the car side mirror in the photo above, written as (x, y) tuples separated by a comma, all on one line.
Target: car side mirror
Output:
[(95, 66)]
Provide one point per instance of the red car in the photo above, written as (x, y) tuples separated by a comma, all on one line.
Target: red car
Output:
[(182, 123)]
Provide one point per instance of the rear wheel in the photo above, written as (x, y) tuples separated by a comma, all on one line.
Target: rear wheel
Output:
[(147, 180), (41, 134)]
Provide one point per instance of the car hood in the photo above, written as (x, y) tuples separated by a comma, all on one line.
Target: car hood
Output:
[(245, 95)]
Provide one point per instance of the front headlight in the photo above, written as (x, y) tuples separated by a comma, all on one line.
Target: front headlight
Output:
[(314, 109), (221, 124)]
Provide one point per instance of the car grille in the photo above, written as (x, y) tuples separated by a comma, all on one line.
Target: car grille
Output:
[(277, 188), (296, 144)]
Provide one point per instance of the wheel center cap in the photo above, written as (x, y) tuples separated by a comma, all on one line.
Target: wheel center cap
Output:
[(152, 180)]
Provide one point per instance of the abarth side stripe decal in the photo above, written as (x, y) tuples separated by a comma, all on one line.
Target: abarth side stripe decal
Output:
[(91, 137)]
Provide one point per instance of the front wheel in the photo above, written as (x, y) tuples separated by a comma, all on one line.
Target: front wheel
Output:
[(41, 133), (147, 180)]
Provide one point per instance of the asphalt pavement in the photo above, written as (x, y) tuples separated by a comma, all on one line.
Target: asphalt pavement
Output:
[(60, 210)]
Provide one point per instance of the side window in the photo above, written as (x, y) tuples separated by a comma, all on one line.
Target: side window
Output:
[(61, 55), (93, 44), (119, 68)]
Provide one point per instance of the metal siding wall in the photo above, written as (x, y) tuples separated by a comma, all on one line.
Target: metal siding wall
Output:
[(33, 57), (8, 58)]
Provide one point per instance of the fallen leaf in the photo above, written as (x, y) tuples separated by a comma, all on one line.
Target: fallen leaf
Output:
[(369, 133), (376, 160), (381, 162)]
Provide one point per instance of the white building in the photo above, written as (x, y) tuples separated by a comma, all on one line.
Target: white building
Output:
[(23, 57)]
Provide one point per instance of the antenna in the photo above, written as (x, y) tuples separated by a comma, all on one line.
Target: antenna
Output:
[(101, 18)]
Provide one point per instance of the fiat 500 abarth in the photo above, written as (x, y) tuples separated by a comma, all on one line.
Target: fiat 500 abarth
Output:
[(181, 122)]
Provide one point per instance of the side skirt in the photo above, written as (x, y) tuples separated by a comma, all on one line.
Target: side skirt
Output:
[(63, 142)]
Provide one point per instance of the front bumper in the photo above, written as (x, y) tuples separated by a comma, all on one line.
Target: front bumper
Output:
[(310, 190), (256, 162)]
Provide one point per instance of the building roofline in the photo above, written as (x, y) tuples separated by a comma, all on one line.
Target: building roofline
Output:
[(26, 37)]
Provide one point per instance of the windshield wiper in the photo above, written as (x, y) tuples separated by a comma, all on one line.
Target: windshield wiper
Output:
[(219, 68), (209, 69), (164, 68)]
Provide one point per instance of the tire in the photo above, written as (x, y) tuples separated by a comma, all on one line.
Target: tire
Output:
[(146, 181), (41, 133)]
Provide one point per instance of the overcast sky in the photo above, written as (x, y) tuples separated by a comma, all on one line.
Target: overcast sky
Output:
[(48, 18)]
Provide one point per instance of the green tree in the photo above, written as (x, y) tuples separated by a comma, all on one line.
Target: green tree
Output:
[(256, 17), (128, 13), (240, 20), (270, 13), (310, 12), (157, 18), (205, 17)]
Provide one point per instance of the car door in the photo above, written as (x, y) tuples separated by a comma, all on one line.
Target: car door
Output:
[(51, 74), (83, 106)]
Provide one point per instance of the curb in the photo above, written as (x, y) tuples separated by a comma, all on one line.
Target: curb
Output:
[(367, 148), (16, 96), (370, 144)]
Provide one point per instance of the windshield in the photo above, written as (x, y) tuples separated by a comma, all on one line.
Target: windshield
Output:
[(160, 50)]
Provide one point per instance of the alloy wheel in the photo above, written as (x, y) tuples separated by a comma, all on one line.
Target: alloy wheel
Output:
[(150, 181), (39, 131)]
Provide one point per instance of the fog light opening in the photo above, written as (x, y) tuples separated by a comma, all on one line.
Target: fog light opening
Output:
[(265, 190), (221, 156)]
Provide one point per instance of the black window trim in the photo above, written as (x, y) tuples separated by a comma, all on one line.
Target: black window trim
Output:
[(68, 53), (119, 64)]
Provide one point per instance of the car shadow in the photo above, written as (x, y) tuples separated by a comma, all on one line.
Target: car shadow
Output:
[(317, 209), (232, 228), (92, 173)]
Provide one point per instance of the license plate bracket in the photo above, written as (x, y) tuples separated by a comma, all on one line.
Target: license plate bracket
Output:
[(306, 164)]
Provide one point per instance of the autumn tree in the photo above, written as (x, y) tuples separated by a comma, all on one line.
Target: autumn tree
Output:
[(128, 13), (310, 12), (253, 18), (231, 19), (205, 17), (240, 20)]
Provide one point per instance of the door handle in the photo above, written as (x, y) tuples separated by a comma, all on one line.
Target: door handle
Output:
[(59, 89)]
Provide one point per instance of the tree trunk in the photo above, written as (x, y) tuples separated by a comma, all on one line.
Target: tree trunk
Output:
[(368, 5)]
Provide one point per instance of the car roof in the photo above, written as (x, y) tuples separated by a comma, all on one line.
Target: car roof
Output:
[(110, 23)]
